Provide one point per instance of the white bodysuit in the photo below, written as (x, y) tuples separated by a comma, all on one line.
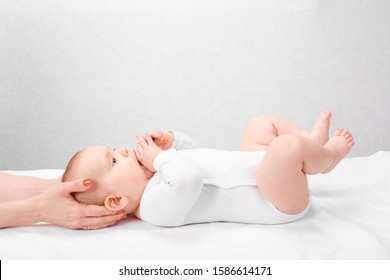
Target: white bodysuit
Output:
[(206, 185)]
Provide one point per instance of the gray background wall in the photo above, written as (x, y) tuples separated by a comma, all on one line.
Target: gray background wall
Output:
[(77, 73)]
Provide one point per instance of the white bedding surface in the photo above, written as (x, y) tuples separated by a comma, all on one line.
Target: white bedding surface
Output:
[(349, 219)]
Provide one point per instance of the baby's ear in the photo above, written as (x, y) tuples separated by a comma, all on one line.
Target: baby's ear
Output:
[(116, 202)]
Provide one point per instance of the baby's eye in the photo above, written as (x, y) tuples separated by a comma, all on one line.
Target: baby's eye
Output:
[(113, 159)]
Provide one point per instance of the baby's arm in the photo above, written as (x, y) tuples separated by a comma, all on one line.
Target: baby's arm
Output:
[(173, 190), (178, 184), (171, 139), (182, 141), (147, 149)]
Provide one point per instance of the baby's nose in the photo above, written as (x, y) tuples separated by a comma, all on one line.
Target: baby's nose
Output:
[(125, 152)]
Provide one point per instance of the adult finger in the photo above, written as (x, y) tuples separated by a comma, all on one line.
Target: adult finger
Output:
[(98, 211), (100, 226), (80, 185), (101, 222)]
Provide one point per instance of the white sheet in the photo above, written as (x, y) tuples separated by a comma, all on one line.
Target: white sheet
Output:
[(349, 219)]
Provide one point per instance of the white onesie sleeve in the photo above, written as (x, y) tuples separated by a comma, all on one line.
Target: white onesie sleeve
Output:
[(182, 141), (175, 187)]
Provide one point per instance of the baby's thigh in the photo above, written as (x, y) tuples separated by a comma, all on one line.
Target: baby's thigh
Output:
[(258, 134), (287, 191)]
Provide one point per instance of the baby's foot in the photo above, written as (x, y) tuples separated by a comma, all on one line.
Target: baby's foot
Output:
[(320, 132), (339, 145)]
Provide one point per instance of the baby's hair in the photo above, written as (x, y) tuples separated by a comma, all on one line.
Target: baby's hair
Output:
[(71, 173), (71, 168)]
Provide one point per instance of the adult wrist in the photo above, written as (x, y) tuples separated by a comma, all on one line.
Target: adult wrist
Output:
[(36, 209)]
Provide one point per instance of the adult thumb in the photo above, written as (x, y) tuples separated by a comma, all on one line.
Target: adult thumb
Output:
[(79, 185)]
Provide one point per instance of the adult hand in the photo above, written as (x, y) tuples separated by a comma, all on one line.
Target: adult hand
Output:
[(57, 206)]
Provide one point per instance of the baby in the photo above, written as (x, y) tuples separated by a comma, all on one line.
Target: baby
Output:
[(166, 182)]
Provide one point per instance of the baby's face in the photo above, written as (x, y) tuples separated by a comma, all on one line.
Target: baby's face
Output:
[(117, 170)]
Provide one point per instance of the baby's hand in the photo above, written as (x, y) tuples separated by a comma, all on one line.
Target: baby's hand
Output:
[(163, 139), (146, 151)]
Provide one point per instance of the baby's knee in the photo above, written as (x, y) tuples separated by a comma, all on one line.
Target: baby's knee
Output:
[(259, 120), (288, 143)]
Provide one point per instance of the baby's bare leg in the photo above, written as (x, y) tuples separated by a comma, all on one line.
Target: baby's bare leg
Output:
[(281, 176), (262, 130)]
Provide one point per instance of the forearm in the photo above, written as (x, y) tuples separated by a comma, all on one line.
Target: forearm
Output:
[(21, 212), (21, 187), (169, 201)]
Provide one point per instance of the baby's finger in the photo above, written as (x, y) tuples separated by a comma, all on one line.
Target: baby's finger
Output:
[(155, 134), (149, 140), (139, 137), (139, 148), (137, 153), (141, 141), (160, 142)]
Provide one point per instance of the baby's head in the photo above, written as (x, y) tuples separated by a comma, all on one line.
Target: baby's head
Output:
[(117, 175)]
